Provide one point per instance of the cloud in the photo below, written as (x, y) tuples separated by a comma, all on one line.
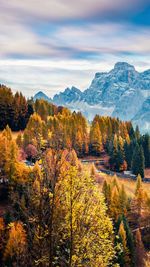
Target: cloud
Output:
[(52, 44), (25, 34), (88, 40), (56, 10), (52, 76), (105, 38)]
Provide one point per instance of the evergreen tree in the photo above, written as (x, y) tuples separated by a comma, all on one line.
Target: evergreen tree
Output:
[(130, 240), (138, 161), (146, 147), (124, 259), (137, 133), (15, 110), (116, 160)]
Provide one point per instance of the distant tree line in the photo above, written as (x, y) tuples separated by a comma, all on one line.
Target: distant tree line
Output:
[(126, 147), (15, 110), (132, 153)]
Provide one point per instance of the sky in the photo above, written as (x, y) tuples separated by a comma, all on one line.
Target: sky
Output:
[(49, 45)]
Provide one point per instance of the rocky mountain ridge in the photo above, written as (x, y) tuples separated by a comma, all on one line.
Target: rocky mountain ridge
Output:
[(122, 92)]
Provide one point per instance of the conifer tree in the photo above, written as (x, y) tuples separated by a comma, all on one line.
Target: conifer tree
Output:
[(124, 260), (123, 200), (115, 204), (130, 240), (34, 130), (137, 133), (95, 139), (82, 219), (107, 191), (140, 251), (7, 133), (139, 204), (16, 244), (138, 184), (138, 161), (19, 140), (93, 171), (146, 148), (12, 159)]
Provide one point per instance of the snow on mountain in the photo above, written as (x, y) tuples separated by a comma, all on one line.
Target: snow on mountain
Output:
[(142, 118), (129, 104), (69, 95), (41, 95), (121, 92)]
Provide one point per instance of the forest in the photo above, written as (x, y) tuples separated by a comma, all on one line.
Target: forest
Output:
[(53, 210)]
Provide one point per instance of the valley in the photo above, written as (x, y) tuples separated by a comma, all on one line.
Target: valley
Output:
[(67, 184)]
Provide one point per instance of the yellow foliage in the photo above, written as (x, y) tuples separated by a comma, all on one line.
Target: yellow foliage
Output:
[(21, 173), (16, 244), (83, 220)]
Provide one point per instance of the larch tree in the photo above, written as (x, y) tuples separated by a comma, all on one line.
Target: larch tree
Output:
[(123, 200), (83, 219), (34, 131), (95, 139), (139, 250), (129, 238), (107, 191), (115, 204), (12, 159), (16, 246), (124, 259), (138, 184)]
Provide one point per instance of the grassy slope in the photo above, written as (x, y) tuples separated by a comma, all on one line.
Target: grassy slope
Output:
[(129, 184)]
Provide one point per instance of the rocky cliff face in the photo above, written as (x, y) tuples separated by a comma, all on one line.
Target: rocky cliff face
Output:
[(142, 118), (121, 92)]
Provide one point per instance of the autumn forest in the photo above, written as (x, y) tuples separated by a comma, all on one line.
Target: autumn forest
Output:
[(73, 193)]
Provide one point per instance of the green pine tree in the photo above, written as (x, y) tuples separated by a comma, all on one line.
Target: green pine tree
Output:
[(138, 161)]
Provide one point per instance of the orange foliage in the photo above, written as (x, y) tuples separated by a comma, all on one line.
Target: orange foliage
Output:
[(16, 244)]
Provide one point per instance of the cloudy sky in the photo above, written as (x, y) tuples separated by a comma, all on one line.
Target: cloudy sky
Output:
[(52, 44)]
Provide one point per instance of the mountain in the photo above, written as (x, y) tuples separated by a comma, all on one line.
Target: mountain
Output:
[(142, 118), (121, 92), (69, 95), (41, 95)]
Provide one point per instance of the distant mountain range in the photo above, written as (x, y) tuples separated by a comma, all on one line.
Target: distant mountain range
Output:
[(122, 92)]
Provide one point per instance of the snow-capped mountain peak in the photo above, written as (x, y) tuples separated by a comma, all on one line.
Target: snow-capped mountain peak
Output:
[(121, 92), (41, 95), (123, 66)]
